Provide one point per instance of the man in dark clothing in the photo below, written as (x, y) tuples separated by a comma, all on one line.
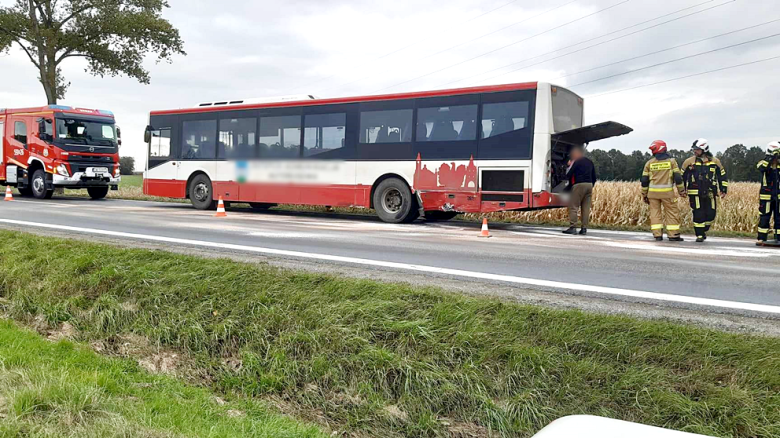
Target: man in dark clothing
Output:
[(581, 177)]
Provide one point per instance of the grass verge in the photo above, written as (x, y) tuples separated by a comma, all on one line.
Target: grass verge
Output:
[(65, 390), (379, 359)]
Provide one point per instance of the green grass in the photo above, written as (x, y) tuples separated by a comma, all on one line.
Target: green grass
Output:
[(378, 359), (66, 390), (132, 181)]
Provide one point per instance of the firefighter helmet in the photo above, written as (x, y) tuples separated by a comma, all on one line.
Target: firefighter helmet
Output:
[(701, 144), (658, 147), (773, 148)]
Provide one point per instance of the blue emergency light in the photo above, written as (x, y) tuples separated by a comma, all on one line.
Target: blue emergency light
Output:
[(60, 107)]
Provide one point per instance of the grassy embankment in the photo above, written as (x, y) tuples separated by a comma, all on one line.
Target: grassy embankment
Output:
[(379, 359), (50, 389)]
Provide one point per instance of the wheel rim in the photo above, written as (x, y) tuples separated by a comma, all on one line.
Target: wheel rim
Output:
[(38, 185), (392, 201), (201, 192)]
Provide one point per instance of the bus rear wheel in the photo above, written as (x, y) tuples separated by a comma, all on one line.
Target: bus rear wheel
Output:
[(200, 192), (394, 202), (97, 192), (38, 185), (436, 216)]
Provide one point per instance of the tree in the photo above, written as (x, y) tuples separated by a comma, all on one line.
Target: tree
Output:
[(126, 165), (113, 36)]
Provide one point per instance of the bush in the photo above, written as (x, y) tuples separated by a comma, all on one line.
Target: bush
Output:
[(127, 165)]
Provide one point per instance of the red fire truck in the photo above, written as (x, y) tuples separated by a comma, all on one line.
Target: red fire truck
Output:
[(56, 146)]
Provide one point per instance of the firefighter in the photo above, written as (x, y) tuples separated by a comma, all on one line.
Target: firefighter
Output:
[(705, 182), (660, 176), (769, 203)]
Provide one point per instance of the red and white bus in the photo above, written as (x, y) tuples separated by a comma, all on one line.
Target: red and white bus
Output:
[(56, 146), (431, 154)]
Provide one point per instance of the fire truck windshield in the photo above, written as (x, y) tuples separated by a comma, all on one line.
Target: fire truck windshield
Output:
[(86, 135)]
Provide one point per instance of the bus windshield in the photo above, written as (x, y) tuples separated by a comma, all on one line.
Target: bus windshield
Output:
[(81, 135)]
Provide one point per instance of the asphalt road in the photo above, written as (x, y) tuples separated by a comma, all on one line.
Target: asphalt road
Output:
[(722, 274)]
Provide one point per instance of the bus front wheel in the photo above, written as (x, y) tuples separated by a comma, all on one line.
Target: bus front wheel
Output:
[(200, 191), (394, 202)]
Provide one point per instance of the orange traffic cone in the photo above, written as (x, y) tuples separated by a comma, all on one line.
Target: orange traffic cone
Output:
[(8, 195), (485, 231), (221, 208)]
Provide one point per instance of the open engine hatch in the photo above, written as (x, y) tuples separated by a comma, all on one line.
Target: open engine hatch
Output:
[(587, 134)]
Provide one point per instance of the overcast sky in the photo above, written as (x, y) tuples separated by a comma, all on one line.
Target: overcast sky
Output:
[(242, 49)]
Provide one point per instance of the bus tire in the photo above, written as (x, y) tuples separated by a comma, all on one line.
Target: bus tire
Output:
[(38, 185), (394, 202), (97, 192), (201, 193), (437, 216)]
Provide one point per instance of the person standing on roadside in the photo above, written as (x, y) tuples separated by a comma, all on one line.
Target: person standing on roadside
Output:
[(705, 181), (660, 176), (582, 177), (769, 196)]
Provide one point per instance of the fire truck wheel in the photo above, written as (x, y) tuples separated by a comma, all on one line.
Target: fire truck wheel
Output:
[(394, 202), (25, 192), (436, 216), (200, 192), (97, 192), (38, 185)]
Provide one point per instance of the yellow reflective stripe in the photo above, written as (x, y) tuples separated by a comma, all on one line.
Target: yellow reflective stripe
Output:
[(693, 192), (657, 227), (645, 173), (673, 227), (708, 223), (698, 225), (657, 190), (698, 203), (762, 163), (723, 172), (763, 230), (765, 197)]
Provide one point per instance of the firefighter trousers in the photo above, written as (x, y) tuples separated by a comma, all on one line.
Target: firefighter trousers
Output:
[(665, 211), (767, 209), (705, 209)]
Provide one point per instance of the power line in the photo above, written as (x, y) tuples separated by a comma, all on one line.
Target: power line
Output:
[(466, 42), (667, 49), (582, 49), (684, 77), (508, 45), (415, 43), (696, 55)]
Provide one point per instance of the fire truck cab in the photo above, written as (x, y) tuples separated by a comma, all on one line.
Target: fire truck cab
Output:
[(59, 147)]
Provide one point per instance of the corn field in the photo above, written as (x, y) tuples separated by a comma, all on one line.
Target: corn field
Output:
[(619, 204)]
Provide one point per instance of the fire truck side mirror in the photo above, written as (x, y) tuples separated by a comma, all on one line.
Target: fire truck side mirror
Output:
[(118, 136), (148, 134)]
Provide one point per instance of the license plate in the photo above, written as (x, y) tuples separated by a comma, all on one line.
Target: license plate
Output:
[(96, 170)]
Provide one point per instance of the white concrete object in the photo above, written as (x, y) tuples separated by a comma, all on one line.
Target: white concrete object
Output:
[(587, 426)]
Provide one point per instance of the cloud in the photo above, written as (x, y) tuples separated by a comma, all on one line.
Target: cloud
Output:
[(242, 49)]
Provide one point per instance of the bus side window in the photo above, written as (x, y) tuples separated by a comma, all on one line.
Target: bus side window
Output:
[(20, 132), (161, 143)]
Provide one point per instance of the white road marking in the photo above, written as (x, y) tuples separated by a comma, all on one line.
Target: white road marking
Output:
[(668, 248), (420, 268)]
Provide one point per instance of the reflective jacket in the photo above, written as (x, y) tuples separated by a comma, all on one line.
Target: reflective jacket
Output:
[(660, 176), (704, 175), (770, 179)]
